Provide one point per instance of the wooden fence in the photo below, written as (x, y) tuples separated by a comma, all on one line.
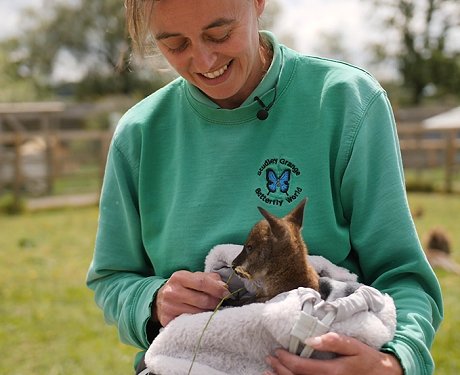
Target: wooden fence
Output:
[(423, 149), (63, 152), (32, 162)]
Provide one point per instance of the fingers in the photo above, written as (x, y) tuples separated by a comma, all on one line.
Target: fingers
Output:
[(354, 357), (285, 363), (187, 292), (278, 366), (208, 283), (166, 311), (335, 343)]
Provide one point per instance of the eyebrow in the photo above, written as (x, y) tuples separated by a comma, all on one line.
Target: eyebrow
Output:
[(220, 22), (217, 23)]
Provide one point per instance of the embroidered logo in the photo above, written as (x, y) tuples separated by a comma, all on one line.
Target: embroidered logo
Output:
[(274, 182), (278, 178)]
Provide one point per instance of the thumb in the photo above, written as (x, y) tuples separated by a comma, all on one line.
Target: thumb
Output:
[(335, 343)]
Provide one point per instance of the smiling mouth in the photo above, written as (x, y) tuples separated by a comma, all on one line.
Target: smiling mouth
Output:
[(217, 73)]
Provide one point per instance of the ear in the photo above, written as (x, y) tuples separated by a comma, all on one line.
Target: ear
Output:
[(259, 6), (275, 223), (296, 215)]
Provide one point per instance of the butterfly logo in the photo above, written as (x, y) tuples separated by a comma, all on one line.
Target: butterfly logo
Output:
[(274, 182)]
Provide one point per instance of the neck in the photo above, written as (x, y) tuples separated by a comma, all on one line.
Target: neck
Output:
[(266, 56)]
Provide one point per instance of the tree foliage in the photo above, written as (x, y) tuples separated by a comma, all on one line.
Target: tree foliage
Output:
[(91, 34), (15, 87), (425, 56)]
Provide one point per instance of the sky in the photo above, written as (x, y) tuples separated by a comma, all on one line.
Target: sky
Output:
[(304, 22), (9, 10), (304, 17), (312, 22)]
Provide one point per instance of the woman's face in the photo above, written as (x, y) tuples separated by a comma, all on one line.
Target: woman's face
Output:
[(213, 44)]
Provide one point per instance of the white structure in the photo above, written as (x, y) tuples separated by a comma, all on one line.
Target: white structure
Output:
[(444, 121), (449, 123)]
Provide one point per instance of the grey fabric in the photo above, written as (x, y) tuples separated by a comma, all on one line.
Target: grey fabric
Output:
[(236, 340)]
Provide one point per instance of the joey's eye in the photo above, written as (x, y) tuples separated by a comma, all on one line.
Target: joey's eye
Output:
[(248, 248)]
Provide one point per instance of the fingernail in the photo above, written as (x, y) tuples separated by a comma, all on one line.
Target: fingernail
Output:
[(226, 295), (313, 341), (221, 283)]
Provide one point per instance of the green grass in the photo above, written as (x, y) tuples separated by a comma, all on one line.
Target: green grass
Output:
[(86, 180), (444, 211), (430, 180), (50, 324)]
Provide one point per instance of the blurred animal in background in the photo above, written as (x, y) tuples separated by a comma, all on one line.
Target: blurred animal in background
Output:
[(438, 251), (418, 212)]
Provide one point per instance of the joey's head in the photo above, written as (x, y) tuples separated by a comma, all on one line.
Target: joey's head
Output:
[(269, 244)]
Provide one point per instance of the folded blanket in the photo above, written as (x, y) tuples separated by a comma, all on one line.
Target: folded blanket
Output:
[(236, 340)]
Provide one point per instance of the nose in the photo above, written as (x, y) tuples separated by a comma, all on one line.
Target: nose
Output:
[(204, 58)]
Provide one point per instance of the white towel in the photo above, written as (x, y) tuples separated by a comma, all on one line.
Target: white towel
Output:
[(237, 339)]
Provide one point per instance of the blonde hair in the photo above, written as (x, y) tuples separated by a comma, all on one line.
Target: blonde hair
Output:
[(137, 26)]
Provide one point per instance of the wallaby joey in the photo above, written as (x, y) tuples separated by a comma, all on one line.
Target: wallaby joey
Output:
[(275, 255)]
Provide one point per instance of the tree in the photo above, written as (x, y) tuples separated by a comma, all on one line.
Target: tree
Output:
[(14, 86), (424, 56), (92, 33)]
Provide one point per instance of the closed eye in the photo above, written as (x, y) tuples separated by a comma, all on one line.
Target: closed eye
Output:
[(177, 49), (182, 47), (220, 39)]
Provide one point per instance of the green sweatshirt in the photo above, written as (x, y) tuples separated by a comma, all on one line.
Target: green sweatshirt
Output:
[(184, 175)]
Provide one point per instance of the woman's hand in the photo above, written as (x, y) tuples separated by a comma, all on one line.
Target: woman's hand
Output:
[(355, 358), (187, 292)]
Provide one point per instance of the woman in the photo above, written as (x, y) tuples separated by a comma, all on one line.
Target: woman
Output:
[(189, 165)]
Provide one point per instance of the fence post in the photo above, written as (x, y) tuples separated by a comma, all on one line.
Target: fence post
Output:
[(50, 167), (419, 155), (450, 159), (18, 177)]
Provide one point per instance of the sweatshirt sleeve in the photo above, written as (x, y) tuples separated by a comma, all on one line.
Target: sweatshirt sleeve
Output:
[(383, 235), (120, 274)]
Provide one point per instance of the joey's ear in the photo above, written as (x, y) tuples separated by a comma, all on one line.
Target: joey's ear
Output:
[(276, 226), (296, 215)]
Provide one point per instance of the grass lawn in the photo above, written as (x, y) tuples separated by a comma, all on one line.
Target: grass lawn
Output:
[(50, 324), (444, 211)]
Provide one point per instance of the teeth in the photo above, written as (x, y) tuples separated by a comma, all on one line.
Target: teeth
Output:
[(217, 73)]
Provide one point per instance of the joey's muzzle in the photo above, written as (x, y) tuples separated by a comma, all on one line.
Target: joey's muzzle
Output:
[(240, 271)]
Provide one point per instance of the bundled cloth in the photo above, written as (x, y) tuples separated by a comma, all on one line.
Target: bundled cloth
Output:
[(236, 340)]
